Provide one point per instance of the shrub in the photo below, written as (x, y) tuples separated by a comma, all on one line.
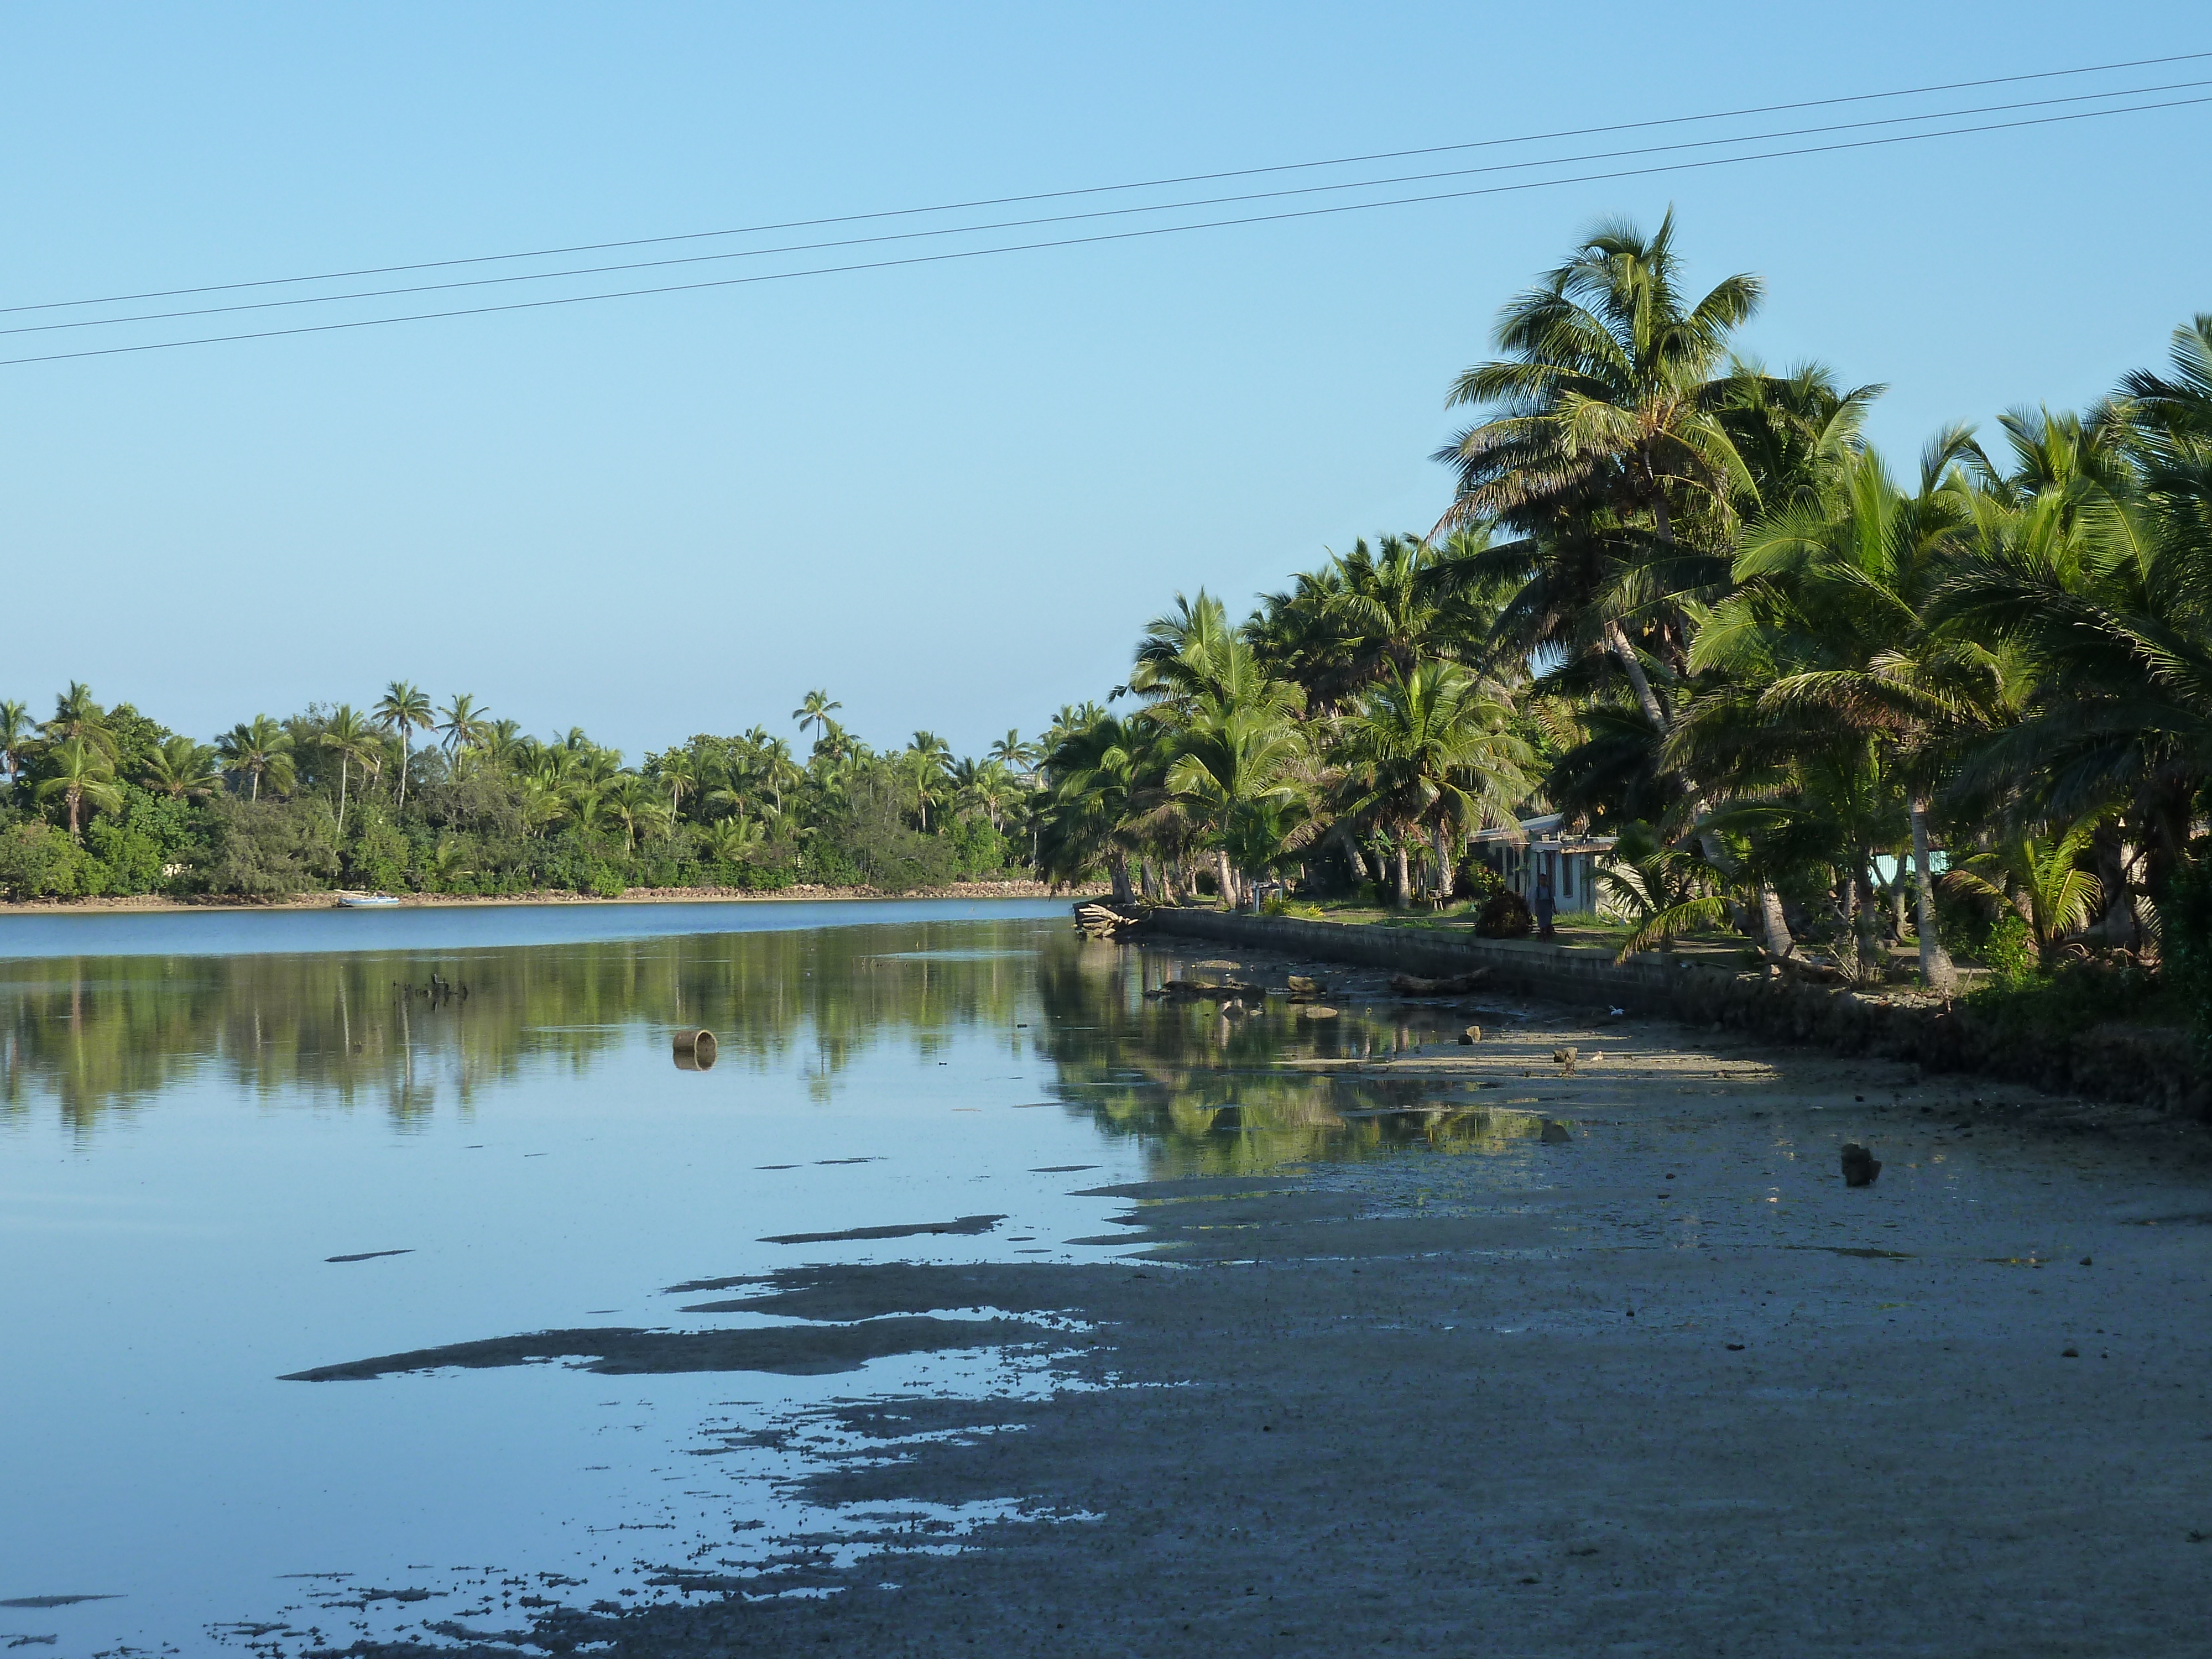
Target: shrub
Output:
[(2185, 945), (1506, 914), (2010, 951), (269, 849), (38, 860)]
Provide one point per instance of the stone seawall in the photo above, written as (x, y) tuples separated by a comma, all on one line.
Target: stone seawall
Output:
[(2152, 1066)]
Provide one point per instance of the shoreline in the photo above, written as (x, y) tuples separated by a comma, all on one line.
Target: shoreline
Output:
[(155, 904), (1664, 1382)]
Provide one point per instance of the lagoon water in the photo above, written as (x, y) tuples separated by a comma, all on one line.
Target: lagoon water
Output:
[(235, 1147)]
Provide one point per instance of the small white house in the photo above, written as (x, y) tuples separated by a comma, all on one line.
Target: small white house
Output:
[(1545, 847)]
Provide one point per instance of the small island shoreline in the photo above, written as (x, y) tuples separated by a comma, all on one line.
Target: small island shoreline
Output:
[(150, 903)]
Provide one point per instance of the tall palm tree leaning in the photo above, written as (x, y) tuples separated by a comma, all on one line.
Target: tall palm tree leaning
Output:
[(259, 749), (403, 710), (1604, 400), (82, 774)]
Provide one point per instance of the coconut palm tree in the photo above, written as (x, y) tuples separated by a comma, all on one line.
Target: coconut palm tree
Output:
[(1012, 753), (1604, 416), (1432, 753), (632, 802), (1093, 807), (353, 740), (2041, 877), (78, 718), (403, 710), (464, 724), (82, 774), (732, 840), (182, 770), (678, 771), (259, 748), (17, 732), (814, 709)]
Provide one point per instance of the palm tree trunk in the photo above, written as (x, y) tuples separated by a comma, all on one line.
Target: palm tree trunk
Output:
[(1444, 865), (1778, 926), (1403, 876), (74, 797), (406, 754), (1617, 638), (1935, 964), (1225, 877), (1117, 864), (342, 795)]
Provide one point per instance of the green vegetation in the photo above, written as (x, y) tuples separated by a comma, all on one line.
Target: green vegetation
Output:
[(106, 801), (1677, 598)]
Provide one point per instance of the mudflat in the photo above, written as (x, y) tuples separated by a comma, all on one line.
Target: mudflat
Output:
[(1664, 1386)]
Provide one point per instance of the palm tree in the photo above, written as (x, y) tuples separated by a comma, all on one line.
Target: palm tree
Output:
[(1432, 753), (463, 724), (403, 710), (78, 718), (259, 749), (923, 769), (732, 839), (632, 802), (182, 770), (1605, 410), (1011, 753), (1092, 809), (814, 709), (351, 738), (679, 770), (543, 802), (17, 729), (82, 774), (1830, 626), (2039, 877)]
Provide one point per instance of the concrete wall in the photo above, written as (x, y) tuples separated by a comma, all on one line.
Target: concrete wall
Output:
[(2109, 1063)]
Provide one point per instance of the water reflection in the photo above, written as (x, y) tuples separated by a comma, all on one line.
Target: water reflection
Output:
[(103, 1035), (1205, 1092)]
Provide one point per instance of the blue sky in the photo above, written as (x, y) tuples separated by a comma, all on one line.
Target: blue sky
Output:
[(951, 494)]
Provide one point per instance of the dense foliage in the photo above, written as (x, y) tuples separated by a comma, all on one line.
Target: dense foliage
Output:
[(108, 801), (1678, 597)]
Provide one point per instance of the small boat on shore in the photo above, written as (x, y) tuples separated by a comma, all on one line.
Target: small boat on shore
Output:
[(365, 901)]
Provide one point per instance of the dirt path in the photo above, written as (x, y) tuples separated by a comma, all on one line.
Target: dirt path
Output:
[(1665, 1387)]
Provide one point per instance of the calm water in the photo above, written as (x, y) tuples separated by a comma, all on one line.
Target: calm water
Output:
[(199, 1111)]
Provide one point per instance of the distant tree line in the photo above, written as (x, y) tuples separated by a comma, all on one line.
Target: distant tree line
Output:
[(404, 796)]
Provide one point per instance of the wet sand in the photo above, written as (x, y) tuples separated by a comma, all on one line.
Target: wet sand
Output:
[(1666, 1387)]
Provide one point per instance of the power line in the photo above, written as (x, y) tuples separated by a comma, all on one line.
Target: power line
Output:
[(1109, 236), (1095, 213), (1095, 190)]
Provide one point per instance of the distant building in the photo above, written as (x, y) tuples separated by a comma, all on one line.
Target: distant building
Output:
[(1544, 846)]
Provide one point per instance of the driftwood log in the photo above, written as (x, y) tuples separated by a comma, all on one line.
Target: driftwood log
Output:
[(1413, 985)]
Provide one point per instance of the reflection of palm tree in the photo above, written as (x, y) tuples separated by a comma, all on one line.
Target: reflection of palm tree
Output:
[(82, 774), (181, 768), (259, 748), (403, 710)]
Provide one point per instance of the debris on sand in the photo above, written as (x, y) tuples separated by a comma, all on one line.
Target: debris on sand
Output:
[(1556, 1133), (1564, 1059), (1860, 1165), (1470, 1037)]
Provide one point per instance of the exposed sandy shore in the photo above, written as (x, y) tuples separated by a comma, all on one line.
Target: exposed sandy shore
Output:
[(1665, 1387), (630, 895)]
